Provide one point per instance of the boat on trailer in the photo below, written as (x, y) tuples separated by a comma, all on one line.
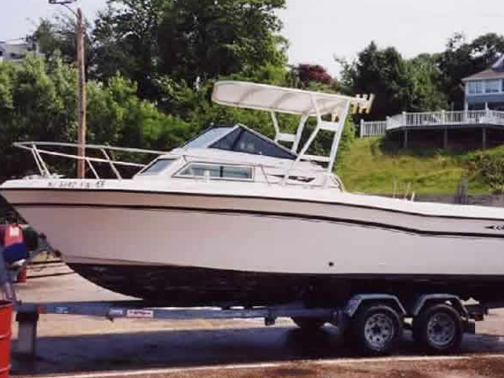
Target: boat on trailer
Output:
[(235, 218)]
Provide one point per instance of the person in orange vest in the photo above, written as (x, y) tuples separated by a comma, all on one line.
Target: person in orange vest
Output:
[(12, 241)]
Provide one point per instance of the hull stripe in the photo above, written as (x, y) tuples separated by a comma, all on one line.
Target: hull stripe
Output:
[(283, 199), (304, 217)]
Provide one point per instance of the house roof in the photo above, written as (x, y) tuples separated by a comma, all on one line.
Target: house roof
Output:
[(496, 71)]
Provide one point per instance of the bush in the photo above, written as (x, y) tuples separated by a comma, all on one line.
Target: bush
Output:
[(490, 167)]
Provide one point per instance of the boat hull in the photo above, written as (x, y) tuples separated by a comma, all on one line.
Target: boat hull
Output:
[(289, 244), (189, 286)]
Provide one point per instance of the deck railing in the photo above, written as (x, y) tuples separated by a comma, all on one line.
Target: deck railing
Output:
[(373, 128), (440, 118)]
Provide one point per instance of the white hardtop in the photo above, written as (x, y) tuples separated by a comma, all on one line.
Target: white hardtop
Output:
[(282, 100), (305, 104)]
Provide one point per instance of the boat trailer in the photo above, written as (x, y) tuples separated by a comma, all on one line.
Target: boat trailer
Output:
[(358, 314)]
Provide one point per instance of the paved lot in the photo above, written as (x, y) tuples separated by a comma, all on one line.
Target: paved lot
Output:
[(74, 345)]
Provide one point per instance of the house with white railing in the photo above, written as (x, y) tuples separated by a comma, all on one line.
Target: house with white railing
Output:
[(483, 112)]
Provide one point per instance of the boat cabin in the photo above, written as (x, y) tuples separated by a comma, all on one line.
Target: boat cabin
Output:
[(236, 153)]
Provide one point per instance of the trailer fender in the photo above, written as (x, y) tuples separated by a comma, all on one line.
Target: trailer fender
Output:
[(354, 304), (426, 299)]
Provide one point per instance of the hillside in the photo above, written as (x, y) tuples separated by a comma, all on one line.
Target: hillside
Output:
[(373, 165)]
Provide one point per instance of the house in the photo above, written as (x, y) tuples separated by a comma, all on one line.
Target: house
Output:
[(485, 89), (15, 52)]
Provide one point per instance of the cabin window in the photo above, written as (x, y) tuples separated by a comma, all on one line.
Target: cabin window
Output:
[(217, 171), (493, 86), (475, 87), (157, 166)]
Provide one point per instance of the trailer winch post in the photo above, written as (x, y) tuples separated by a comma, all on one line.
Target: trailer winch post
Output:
[(27, 333)]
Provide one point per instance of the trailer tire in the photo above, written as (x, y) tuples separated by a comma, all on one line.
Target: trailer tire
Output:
[(308, 324), (438, 329), (376, 329)]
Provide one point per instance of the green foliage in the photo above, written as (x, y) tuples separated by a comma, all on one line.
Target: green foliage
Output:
[(424, 83), (372, 167), (346, 143), (59, 37), (188, 41), (427, 92), (489, 166), (462, 58), (38, 102), (384, 73)]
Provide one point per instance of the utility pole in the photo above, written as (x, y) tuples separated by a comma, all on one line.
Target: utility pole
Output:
[(81, 72), (81, 76)]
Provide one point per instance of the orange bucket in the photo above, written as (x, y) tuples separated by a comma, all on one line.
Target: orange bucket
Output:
[(5, 337), (21, 278)]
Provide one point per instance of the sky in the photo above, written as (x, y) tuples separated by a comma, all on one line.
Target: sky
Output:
[(318, 30)]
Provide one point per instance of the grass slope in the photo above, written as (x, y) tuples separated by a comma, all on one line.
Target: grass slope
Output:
[(373, 165)]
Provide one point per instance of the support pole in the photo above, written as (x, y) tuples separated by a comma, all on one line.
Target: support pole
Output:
[(405, 141), (445, 138), (483, 138), (81, 163), (27, 334)]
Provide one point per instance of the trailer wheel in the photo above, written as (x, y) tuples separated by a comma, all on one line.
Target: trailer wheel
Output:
[(438, 329), (376, 329), (308, 324)]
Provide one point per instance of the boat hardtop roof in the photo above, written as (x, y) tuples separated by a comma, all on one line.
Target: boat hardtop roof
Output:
[(280, 99)]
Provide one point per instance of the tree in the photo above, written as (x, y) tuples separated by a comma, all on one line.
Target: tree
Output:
[(384, 73), (202, 39), (38, 102), (307, 73), (60, 35), (125, 38), (461, 59), (427, 93)]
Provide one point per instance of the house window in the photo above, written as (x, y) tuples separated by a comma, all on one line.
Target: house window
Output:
[(492, 86), (475, 87), (217, 171)]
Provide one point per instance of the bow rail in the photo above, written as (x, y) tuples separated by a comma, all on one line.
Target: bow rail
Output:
[(38, 149)]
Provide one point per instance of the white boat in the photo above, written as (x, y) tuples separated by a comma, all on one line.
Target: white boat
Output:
[(233, 217)]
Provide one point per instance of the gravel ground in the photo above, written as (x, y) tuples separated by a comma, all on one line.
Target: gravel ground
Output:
[(75, 345)]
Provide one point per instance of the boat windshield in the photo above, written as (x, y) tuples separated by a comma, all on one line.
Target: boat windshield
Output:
[(243, 140), (156, 167), (203, 140)]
